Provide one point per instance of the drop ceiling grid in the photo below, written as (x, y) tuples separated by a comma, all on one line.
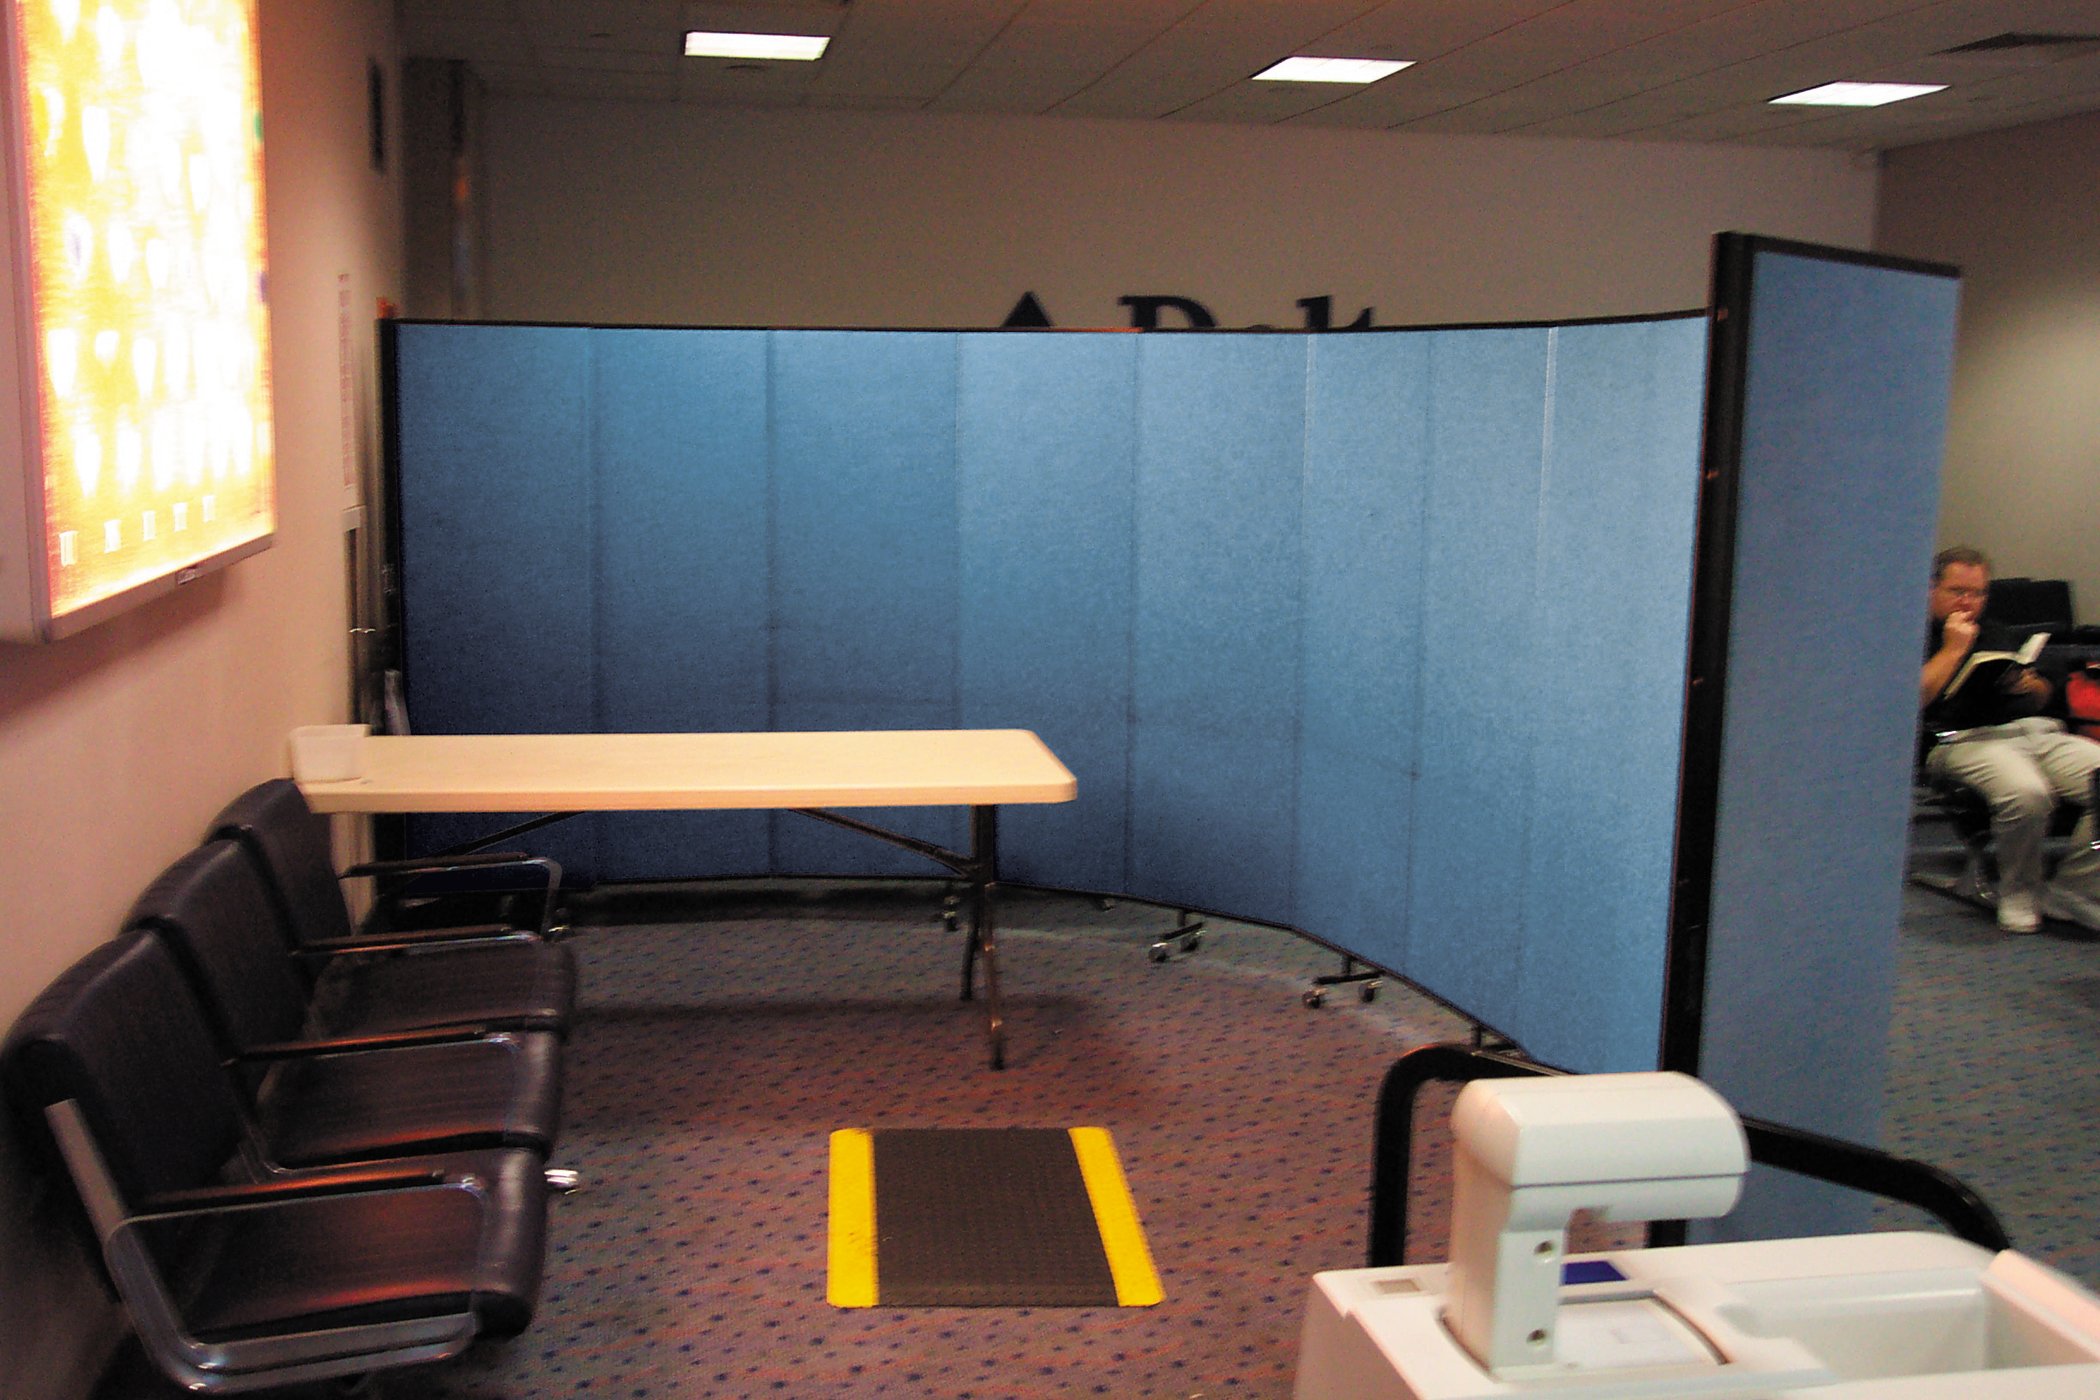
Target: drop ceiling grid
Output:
[(1640, 69)]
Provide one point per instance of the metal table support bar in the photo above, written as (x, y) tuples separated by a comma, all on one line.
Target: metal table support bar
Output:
[(482, 843), (980, 871)]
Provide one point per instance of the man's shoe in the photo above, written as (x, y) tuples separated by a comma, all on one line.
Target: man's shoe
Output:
[(2072, 907), (2018, 913)]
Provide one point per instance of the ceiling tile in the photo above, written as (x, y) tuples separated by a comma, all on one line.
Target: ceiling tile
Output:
[(1638, 69)]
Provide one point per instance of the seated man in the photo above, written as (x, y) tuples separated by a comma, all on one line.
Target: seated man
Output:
[(1990, 737)]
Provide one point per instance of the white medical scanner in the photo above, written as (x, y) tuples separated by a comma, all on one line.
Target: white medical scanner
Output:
[(1849, 1317)]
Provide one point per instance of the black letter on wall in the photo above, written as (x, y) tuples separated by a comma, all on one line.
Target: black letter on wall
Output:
[(1320, 310), (1027, 312), (1144, 312)]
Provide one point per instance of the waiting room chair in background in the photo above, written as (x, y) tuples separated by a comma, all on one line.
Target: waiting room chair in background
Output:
[(234, 1276), (1972, 873)]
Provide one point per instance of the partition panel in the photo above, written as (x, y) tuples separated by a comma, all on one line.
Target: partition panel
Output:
[(1601, 676), (1046, 440), (1378, 635), (1366, 468), (680, 625), (496, 632), (1843, 414), (1487, 409), (864, 561), (1220, 459)]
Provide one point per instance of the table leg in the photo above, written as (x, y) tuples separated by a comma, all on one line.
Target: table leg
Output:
[(980, 871), (984, 927)]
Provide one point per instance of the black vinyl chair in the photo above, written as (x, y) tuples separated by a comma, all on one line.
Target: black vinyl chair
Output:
[(468, 894), (490, 977), (476, 889), (236, 1276), (321, 1096), (1968, 817)]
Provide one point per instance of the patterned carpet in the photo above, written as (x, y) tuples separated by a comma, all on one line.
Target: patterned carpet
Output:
[(717, 1057), (728, 1029), (1993, 1071)]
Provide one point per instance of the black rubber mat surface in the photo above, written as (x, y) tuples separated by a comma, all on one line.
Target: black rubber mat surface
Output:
[(985, 1217)]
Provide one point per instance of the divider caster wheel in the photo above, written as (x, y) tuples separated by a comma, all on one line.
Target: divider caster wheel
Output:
[(1104, 903), (1191, 942), (1369, 991), (1316, 997), (1158, 952)]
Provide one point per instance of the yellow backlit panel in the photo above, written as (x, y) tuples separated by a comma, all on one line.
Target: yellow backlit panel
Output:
[(144, 164)]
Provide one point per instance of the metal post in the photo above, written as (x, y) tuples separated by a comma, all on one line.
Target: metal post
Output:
[(984, 932)]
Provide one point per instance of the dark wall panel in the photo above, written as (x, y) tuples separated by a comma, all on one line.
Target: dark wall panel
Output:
[(1366, 470), (1601, 677), (1220, 459), (681, 561), (1487, 411), (1047, 433), (864, 559)]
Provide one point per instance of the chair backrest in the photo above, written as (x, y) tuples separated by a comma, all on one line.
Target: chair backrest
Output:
[(120, 1036), (2031, 604), (288, 840), (214, 908)]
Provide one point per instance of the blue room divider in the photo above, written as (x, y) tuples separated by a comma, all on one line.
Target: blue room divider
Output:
[(1826, 420), (1382, 636), (1379, 636)]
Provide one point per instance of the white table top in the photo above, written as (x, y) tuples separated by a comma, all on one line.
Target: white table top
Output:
[(643, 772)]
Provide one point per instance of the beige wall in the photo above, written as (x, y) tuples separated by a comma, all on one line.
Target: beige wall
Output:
[(637, 213), (2019, 211), (116, 746)]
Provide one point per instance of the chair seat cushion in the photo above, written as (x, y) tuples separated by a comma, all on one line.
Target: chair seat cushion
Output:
[(428, 1098), (500, 984), (342, 1261)]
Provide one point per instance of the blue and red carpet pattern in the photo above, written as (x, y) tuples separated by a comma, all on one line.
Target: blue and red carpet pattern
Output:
[(716, 1056), (728, 1029)]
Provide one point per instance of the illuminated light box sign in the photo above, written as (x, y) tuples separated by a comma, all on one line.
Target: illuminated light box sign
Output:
[(134, 341)]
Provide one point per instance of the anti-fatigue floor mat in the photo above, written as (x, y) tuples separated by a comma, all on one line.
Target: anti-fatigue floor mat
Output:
[(984, 1217)]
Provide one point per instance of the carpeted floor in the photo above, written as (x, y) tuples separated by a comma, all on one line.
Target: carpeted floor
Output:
[(728, 1029), (717, 1057), (1993, 1072)]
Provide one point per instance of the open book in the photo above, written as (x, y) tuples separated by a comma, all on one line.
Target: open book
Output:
[(1992, 668)]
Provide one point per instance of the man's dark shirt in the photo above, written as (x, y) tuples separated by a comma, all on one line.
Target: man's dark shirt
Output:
[(1977, 704)]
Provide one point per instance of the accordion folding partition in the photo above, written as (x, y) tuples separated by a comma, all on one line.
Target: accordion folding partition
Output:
[(1429, 643)]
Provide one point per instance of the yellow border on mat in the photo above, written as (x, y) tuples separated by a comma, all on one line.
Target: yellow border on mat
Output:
[(852, 1255), (1122, 1237)]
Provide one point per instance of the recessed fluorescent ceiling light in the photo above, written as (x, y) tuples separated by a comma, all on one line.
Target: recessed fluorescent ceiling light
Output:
[(702, 43), (1858, 94), (1331, 70)]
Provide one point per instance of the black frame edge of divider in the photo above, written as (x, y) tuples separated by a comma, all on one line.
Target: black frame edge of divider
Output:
[(1706, 666), (1712, 606), (389, 831), (1542, 323)]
